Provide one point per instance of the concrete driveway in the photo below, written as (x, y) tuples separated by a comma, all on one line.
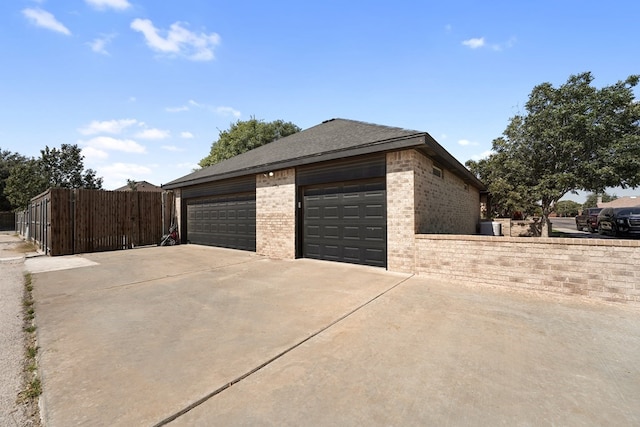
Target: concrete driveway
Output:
[(192, 335)]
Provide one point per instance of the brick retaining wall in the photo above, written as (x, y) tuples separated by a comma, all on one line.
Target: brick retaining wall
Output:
[(597, 268)]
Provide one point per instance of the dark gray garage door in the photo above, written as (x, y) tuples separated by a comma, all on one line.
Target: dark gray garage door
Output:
[(225, 221), (346, 222)]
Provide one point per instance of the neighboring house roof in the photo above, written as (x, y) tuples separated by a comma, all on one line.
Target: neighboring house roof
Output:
[(332, 139), (621, 202), (140, 186)]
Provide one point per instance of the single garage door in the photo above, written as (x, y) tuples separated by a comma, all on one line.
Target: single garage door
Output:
[(224, 221), (346, 222)]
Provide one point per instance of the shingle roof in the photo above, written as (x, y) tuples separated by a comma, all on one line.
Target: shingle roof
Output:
[(332, 139), (140, 186), (621, 202)]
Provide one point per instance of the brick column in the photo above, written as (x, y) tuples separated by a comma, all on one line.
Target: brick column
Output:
[(276, 214), (401, 218)]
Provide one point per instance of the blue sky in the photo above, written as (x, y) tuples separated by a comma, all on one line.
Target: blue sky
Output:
[(144, 87)]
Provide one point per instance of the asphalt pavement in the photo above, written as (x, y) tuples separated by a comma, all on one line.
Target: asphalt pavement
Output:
[(567, 226)]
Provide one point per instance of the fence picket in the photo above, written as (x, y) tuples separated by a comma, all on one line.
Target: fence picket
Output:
[(66, 221)]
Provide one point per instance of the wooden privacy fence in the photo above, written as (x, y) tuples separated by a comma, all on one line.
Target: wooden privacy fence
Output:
[(65, 221)]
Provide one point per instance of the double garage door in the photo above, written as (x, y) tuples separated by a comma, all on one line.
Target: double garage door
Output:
[(341, 213), (224, 221), (346, 222)]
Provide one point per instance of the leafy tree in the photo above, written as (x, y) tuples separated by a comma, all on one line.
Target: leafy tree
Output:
[(567, 208), (25, 182), (132, 184), (508, 197), (244, 136), (574, 137), (61, 168), (592, 200), (8, 161)]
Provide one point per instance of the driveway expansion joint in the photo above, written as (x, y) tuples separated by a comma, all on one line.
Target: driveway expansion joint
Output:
[(226, 386)]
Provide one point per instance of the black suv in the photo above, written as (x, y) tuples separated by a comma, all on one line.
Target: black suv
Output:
[(619, 221)]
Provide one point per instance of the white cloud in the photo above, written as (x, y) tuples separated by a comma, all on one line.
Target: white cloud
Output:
[(178, 40), (106, 4), (474, 43), (44, 19), (466, 142), (227, 111), (177, 109), (506, 45), (172, 148), (482, 155), (222, 110), (477, 43), (126, 169), (186, 135), (114, 144), (94, 154), (189, 166), (116, 174), (99, 45), (107, 126), (153, 134)]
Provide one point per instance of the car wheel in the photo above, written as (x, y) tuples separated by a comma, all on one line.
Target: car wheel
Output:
[(600, 230), (614, 231), (578, 227)]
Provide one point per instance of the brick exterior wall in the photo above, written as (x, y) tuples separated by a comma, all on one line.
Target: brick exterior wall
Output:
[(276, 214), (401, 217), (419, 201), (445, 205), (597, 268)]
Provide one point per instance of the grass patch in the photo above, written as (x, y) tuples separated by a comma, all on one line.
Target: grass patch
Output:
[(32, 388), (32, 352), (25, 247)]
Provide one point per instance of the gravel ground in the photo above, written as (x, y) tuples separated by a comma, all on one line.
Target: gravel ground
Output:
[(12, 339)]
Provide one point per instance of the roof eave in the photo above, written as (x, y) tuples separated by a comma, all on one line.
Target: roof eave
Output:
[(437, 152), (377, 147), (422, 141)]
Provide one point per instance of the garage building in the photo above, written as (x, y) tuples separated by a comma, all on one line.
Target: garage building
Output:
[(343, 190)]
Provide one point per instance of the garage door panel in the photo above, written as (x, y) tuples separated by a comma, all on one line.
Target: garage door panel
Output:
[(313, 231), (375, 256), (374, 211), (351, 212), (330, 212), (332, 252), (330, 232), (346, 222), (377, 234), (351, 233), (352, 254), (313, 212), (225, 221)]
